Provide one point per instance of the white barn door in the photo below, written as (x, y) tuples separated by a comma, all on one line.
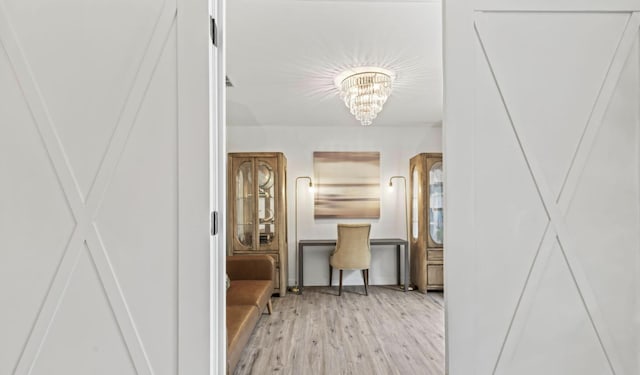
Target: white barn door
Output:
[(542, 152), (104, 187)]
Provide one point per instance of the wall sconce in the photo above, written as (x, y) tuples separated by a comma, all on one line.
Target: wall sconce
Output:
[(296, 288), (406, 211)]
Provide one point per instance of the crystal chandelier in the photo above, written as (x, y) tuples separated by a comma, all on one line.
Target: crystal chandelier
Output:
[(364, 91)]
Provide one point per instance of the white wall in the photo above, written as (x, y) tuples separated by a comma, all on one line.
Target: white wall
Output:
[(396, 147)]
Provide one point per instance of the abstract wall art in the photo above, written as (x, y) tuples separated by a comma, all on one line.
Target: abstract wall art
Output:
[(347, 185)]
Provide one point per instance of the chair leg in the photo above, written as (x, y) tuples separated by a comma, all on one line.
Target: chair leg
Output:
[(340, 287), (330, 275), (365, 277), (269, 307)]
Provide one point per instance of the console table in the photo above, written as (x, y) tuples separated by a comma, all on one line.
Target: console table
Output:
[(397, 242)]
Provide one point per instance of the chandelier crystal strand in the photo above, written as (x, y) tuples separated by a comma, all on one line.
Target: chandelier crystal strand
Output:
[(365, 93)]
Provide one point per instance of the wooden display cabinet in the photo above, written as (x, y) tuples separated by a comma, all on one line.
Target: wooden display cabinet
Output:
[(426, 213), (257, 207)]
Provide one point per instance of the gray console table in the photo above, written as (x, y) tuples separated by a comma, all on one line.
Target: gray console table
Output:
[(397, 242)]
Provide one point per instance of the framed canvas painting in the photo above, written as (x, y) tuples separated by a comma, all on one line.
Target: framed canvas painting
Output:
[(347, 185)]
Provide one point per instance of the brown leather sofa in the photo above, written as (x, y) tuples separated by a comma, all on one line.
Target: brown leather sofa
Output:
[(250, 292)]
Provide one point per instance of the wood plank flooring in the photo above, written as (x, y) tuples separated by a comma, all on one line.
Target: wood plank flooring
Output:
[(318, 333)]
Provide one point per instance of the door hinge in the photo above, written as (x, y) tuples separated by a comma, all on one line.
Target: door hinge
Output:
[(214, 223), (214, 32)]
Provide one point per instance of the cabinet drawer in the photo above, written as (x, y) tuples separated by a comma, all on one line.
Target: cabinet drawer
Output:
[(435, 255), (276, 279), (435, 276)]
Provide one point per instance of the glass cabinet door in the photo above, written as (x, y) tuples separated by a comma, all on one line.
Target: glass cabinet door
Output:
[(244, 203), (415, 191), (257, 210), (436, 221), (266, 202)]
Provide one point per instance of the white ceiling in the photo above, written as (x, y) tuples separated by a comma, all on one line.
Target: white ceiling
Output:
[(283, 55)]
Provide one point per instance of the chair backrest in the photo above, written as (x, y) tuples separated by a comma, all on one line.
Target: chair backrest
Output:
[(352, 247)]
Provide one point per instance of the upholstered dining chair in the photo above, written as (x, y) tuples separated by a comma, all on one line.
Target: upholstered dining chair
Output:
[(352, 252)]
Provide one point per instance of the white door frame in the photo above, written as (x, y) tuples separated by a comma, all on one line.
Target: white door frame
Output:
[(197, 310), (218, 183)]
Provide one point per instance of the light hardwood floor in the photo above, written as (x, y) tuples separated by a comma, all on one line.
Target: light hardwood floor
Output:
[(318, 333)]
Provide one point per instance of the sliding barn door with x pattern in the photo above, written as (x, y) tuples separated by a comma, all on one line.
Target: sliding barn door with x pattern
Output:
[(89, 231), (557, 104)]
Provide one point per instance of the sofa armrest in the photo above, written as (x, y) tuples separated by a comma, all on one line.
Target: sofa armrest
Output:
[(251, 267)]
